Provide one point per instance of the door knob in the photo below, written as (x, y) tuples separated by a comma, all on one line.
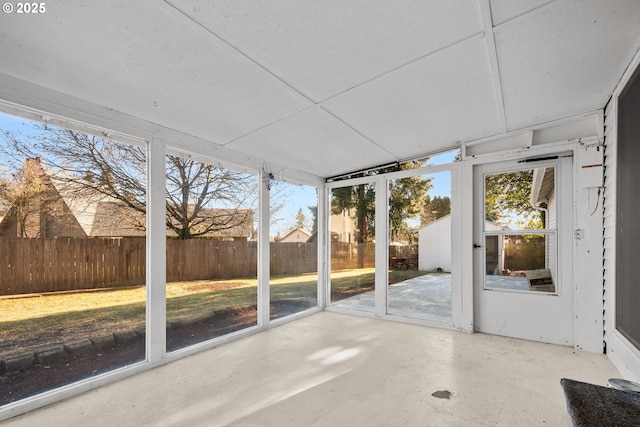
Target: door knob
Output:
[(476, 246)]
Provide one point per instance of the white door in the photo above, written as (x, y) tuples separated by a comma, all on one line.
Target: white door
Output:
[(523, 271)]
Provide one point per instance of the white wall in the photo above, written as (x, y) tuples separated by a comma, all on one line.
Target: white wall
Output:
[(588, 322), (434, 245)]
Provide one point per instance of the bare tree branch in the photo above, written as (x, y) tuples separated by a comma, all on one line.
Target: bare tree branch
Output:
[(202, 199)]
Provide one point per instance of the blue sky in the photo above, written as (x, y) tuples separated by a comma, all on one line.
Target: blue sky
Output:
[(441, 184), (8, 122), (303, 196)]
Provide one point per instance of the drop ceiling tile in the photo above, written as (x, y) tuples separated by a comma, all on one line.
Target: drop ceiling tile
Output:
[(146, 59), (559, 60), (432, 104), (504, 10), (413, 77), (315, 142), (323, 48)]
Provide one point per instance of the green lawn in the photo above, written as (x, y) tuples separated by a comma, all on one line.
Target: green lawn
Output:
[(36, 321)]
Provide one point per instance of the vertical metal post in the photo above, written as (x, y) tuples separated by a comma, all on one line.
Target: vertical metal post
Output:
[(264, 255), (156, 251), (324, 245), (382, 246)]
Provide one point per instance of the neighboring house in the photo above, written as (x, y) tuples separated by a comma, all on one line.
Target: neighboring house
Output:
[(231, 224), (434, 246), (296, 235), (314, 237), (543, 197), (64, 208), (543, 193), (343, 226), (43, 211)]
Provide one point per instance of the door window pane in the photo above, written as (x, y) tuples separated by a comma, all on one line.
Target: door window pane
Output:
[(352, 230), (520, 230), (211, 251), (72, 256)]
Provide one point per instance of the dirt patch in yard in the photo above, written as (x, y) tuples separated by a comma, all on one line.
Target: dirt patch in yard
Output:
[(349, 292), (207, 286), (63, 364)]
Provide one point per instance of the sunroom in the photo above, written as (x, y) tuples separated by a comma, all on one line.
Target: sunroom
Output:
[(183, 177)]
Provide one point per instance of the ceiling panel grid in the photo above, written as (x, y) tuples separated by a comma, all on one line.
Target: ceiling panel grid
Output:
[(330, 86)]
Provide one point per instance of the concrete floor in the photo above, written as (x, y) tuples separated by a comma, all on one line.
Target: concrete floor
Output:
[(332, 369)]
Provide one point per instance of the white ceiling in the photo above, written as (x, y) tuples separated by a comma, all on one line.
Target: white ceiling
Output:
[(330, 86)]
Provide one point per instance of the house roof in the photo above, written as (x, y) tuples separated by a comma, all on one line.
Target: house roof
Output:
[(543, 185), (112, 219), (100, 215), (328, 87), (232, 223), (297, 229), (445, 222)]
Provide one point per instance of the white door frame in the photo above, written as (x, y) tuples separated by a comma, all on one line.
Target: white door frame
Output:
[(528, 315)]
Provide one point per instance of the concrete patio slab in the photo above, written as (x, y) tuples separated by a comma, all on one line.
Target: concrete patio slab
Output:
[(425, 297)]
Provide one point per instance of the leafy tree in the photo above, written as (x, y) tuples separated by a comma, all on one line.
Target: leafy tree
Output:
[(435, 209), (361, 199), (507, 195), (97, 165), (407, 199)]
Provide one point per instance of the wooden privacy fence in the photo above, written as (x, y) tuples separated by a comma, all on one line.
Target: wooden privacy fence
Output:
[(524, 256), (65, 264), (210, 259), (293, 258), (345, 256), (215, 259), (62, 264)]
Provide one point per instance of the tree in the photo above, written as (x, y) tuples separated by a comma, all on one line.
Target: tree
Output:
[(361, 199), (507, 195), (25, 192), (408, 198), (301, 220), (314, 216), (194, 187), (435, 209), (97, 165)]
